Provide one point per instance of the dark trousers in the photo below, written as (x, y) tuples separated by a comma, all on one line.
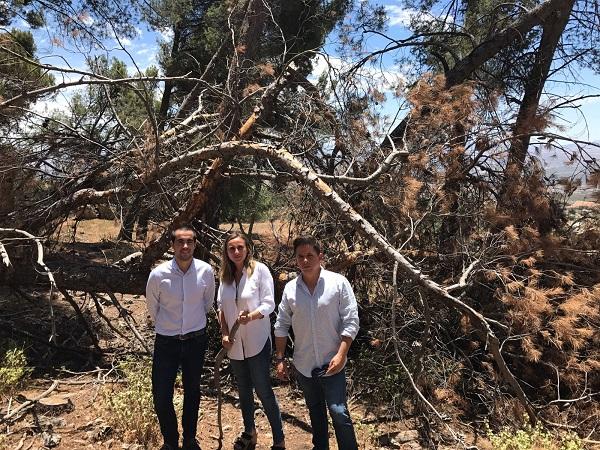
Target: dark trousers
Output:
[(169, 355), (328, 393), (253, 374)]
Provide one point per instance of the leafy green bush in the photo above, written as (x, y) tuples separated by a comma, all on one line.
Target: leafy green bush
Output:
[(13, 369), (130, 410), (533, 438)]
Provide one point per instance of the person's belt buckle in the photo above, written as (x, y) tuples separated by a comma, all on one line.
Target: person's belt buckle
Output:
[(190, 335), (319, 372)]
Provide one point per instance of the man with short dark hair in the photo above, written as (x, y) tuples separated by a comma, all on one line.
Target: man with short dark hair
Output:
[(179, 293), (321, 308)]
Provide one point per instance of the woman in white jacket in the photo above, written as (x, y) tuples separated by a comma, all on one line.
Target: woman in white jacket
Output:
[(246, 295)]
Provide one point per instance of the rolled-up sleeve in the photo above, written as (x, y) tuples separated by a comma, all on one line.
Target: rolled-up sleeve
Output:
[(266, 292), (220, 296), (209, 292), (284, 318), (152, 295), (348, 309)]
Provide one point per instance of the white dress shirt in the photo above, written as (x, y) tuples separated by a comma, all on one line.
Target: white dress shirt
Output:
[(177, 301), (252, 293), (319, 319)]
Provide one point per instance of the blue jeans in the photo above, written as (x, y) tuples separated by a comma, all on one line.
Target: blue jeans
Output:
[(254, 373), (169, 355), (322, 393)]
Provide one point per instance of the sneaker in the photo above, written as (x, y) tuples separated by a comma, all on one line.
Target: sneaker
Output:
[(191, 444)]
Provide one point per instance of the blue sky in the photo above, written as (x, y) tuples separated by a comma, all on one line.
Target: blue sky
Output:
[(141, 52)]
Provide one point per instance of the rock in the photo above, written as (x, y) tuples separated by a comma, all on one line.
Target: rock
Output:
[(50, 439), (406, 439), (57, 422), (412, 446), (103, 432), (406, 436)]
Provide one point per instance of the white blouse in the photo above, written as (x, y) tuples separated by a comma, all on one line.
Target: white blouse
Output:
[(254, 292)]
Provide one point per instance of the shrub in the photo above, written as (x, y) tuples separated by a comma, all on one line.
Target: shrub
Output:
[(130, 410), (533, 438), (13, 369)]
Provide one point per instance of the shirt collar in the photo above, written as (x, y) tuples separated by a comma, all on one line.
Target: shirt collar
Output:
[(320, 280), (175, 266)]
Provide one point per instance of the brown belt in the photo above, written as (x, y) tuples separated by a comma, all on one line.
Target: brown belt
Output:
[(186, 336)]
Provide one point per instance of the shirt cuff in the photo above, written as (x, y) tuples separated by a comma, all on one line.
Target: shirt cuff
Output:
[(265, 310), (349, 333), (280, 333)]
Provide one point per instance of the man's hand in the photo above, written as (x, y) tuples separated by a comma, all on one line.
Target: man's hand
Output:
[(336, 364), (226, 342), (282, 371)]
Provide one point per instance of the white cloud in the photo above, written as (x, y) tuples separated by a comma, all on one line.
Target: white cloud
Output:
[(60, 102), (383, 78), (166, 34), (323, 64), (398, 15), (142, 64), (87, 19)]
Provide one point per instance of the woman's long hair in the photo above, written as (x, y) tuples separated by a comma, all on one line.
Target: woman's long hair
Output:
[(227, 271)]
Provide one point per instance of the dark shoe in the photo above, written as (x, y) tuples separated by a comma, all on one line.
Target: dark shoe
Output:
[(191, 444), (168, 447), (244, 442)]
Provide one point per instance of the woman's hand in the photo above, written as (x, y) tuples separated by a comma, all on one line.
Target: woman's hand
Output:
[(244, 317), (226, 342)]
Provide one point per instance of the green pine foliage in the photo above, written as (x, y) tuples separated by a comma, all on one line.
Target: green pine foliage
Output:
[(18, 72)]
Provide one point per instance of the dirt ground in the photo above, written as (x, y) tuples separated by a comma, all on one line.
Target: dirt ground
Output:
[(81, 422), (82, 384), (83, 425)]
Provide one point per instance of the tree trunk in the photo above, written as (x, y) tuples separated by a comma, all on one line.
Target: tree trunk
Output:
[(514, 32), (247, 47), (528, 112), (166, 98)]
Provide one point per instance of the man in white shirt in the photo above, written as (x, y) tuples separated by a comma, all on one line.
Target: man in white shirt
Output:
[(321, 308), (179, 294)]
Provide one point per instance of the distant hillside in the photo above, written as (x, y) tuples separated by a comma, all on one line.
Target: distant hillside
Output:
[(558, 164)]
